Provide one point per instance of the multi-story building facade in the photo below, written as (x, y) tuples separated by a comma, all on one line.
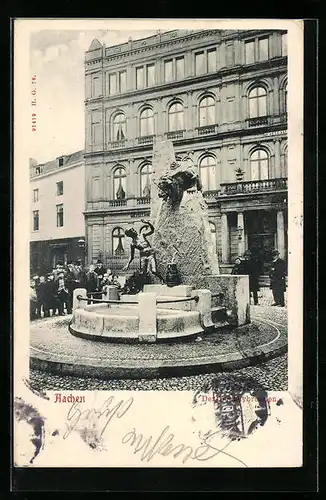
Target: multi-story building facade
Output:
[(220, 94), (57, 190)]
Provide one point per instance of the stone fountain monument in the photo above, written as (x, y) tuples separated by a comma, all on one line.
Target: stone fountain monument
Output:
[(197, 299)]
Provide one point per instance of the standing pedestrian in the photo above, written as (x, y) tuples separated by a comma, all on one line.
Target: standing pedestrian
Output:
[(253, 271), (61, 291), (105, 284), (72, 282), (81, 274), (277, 279), (100, 271), (48, 296), (92, 283), (32, 300), (41, 299)]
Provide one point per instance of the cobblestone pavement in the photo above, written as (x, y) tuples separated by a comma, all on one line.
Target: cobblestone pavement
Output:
[(271, 375)]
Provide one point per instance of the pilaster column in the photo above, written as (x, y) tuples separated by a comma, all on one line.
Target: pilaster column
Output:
[(223, 55), (224, 104), (280, 233), (276, 96), (225, 238), (190, 64), (132, 179), (188, 111), (278, 166), (241, 233), (102, 241)]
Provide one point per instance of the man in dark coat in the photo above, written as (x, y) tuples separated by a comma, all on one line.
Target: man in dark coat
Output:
[(92, 283), (41, 292), (277, 279), (48, 296), (81, 275), (100, 271), (253, 269), (61, 292), (71, 277)]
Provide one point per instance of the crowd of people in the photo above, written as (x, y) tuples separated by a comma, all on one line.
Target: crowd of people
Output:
[(52, 294), (249, 265)]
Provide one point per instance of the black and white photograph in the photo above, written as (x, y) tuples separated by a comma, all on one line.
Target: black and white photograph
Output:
[(160, 219)]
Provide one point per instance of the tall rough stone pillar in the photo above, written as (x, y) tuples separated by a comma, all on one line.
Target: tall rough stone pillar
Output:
[(163, 156), (182, 233), (280, 233)]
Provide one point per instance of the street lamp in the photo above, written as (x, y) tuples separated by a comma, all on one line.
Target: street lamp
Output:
[(81, 244)]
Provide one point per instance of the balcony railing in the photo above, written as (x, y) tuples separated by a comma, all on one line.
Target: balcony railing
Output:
[(207, 130), (177, 134), (211, 195), (258, 121), (117, 203), (146, 139), (143, 200), (117, 144), (248, 187)]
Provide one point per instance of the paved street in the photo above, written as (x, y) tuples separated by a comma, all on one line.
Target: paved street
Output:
[(271, 375)]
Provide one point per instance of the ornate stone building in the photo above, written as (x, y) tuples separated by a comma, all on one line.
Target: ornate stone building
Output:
[(219, 94)]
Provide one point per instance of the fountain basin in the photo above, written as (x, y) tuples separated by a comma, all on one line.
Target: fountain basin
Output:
[(121, 322)]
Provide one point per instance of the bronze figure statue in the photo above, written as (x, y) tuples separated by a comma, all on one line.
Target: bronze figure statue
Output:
[(146, 251)]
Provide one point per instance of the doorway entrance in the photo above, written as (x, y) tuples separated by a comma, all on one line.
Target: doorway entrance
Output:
[(261, 231)]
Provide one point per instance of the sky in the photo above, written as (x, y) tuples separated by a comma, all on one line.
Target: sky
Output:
[(57, 60)]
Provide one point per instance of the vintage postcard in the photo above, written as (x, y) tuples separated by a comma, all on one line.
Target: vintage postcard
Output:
[(158, 228)]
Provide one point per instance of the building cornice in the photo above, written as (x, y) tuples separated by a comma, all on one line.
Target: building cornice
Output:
[(170, 39)]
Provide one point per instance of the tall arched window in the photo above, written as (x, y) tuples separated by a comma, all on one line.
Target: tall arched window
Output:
[(145, 180), (119, 127), (285, 97), (257, 102), (207, 111), (119, 183), (212, 227), (118, 241), (176, 117), (207, 168), (147, 122), (284, 160), (259, 165)]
